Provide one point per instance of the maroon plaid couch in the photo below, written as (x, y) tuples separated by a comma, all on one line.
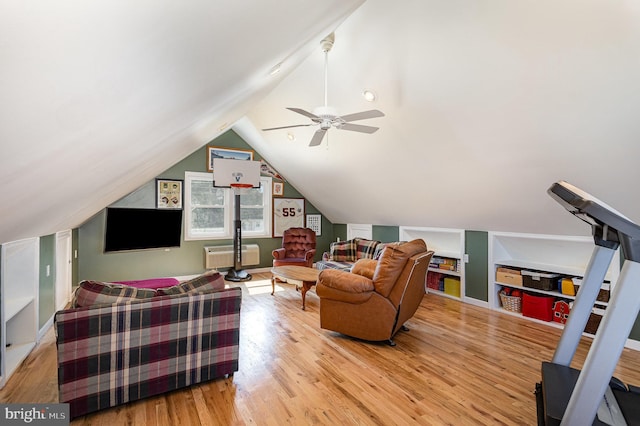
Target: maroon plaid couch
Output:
[(113, 354)]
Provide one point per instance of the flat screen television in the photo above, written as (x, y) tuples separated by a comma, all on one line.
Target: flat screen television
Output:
[(139, 229)]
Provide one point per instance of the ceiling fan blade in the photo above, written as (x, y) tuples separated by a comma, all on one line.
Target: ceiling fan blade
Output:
[(288, 127), (317, 137), (358, 128), (373, 113), (305, 113)]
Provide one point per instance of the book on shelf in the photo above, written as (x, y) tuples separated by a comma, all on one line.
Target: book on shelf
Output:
[(445, 263), (446, 267)]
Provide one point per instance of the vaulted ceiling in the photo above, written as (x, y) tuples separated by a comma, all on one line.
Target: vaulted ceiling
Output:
[(486, 103), (99, 97)]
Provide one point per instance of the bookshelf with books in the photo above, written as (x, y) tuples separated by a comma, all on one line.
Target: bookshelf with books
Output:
[(445, 264), (446, 270)]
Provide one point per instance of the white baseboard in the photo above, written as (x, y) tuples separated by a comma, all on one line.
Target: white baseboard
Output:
[(632, 344), (45, 328), (476, 302)]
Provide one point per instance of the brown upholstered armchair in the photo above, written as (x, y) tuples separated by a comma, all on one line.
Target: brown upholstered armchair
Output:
[(375, 299), (298, 248)]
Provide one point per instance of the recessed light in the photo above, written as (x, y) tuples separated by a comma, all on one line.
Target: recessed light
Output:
[(369, 95), (291, 136), (276, 69)]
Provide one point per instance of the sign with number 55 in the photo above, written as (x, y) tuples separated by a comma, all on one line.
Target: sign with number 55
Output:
[(287, 213)]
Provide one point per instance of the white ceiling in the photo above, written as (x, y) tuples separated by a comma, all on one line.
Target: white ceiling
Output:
[(487, 104)]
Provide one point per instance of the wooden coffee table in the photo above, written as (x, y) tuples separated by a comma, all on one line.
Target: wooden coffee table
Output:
[(298, 275)]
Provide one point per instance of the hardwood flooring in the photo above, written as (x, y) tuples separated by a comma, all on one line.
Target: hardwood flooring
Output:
[(458, 365)]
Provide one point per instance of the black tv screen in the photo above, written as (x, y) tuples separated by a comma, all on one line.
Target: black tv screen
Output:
[(138, 229)]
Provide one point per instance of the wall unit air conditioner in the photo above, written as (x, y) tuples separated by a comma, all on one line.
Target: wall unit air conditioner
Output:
[(222, 256)]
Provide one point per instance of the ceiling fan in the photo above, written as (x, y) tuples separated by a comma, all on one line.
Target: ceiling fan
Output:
[(326, 116)]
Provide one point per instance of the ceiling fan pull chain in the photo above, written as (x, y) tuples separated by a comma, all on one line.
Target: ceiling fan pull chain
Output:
[(326, 78)]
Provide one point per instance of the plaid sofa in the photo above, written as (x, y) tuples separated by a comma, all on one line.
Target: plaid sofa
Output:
[(111, 354), (343, 254)]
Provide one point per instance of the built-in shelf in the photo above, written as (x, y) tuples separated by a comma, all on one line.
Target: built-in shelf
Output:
[(15, 354), (445, 243), (553, 293), (554, 253), (15, 305), (446, 272), (537, 266), (564, 255), (447, 253), (19, 309)]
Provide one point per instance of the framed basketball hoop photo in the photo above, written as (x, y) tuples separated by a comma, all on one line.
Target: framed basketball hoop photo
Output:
[(287, 213)]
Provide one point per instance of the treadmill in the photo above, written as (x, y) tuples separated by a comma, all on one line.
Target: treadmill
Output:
[(591, 396)]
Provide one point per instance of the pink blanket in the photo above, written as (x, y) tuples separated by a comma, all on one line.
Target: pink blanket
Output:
[(153, 283)]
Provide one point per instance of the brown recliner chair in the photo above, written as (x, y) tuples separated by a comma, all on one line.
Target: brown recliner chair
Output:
[(298, 248), (375, 299)]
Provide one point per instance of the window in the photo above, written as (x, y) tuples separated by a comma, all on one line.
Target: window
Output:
[(209, 211)]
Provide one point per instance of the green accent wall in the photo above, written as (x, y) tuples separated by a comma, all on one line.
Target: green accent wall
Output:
[(635, 331), (386, 234), (187, 259), (339, 231), (46, 294), (476, 270)]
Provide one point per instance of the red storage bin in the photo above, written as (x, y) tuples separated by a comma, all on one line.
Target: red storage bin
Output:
[(539, 307)]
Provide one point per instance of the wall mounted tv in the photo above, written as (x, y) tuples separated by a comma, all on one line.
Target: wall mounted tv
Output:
[(139, 229)]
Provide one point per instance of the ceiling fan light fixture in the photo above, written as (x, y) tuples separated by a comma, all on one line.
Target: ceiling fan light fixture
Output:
[(369, 95), (326, 117), (325, 111)]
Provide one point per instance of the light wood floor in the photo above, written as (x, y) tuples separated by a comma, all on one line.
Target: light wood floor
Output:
[(458, 365)]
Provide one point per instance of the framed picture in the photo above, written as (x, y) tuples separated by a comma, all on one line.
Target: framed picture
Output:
[(314, 221), (233, 154), (168, 194), (278, 189), (287, 213)]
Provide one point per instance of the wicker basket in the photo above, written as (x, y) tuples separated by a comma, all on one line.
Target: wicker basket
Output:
[(511, 303)]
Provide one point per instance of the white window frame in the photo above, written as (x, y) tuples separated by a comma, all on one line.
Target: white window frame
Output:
[(229, 200)]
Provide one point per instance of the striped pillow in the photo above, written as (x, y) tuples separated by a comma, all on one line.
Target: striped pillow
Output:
[(209, 281), (91, 293), (365, 249), (343, 251)]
